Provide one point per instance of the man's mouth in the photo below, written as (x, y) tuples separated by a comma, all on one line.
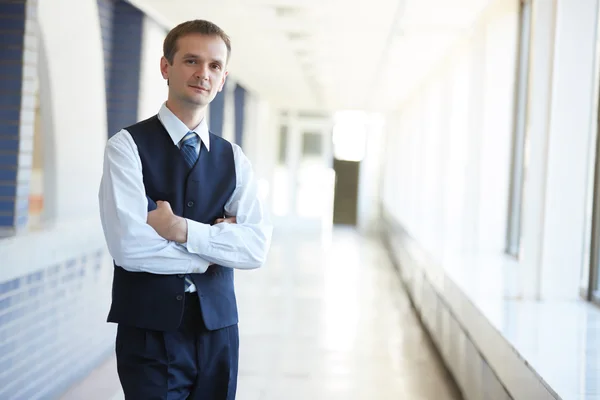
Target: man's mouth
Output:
[(199, 88)]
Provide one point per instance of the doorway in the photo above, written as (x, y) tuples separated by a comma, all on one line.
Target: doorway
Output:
[(345, 201)]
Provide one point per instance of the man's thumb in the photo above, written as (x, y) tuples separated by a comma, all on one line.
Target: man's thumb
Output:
[(163, 204)]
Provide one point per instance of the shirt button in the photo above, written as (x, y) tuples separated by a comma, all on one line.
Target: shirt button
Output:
[(179, 297), (190, 203)]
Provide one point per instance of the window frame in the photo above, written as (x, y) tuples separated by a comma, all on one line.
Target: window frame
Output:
[(519, 140), (592, 292), (590, 284)]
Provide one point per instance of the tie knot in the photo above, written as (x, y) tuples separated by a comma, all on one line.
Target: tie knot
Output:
[(190, 139)]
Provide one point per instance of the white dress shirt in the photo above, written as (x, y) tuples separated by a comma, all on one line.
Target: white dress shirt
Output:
[(136, 246)]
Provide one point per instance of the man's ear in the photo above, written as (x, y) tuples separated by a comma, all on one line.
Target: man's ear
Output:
[(223, 80), (164, 68)]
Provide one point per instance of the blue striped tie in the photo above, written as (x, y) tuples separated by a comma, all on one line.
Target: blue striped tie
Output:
[(189, 145), (190, 155)]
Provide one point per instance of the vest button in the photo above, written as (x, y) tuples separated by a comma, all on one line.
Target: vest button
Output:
[(179, 297), (181, 275), (190, 204)]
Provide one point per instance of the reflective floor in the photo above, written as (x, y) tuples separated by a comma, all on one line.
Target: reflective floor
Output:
[(325, 319)]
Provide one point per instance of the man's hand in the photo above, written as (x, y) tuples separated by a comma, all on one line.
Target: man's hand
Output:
[(167, 224), (230, 220)]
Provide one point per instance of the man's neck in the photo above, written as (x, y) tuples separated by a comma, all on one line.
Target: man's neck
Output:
[(191, 117)]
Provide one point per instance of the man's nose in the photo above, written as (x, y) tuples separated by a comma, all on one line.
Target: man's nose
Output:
[(202, 72)]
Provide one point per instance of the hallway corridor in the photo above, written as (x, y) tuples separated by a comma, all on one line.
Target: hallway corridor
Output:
[(325, 319)]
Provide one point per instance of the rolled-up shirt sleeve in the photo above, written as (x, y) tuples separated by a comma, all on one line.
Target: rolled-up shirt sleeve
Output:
[(133, 244), (243, 245)]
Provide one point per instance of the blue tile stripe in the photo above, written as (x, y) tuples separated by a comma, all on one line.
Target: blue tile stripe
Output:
[(8, 175), (239, 98), (8, 158), (124, 66), (14, 8), (13, 15), (8, 190), (8, 115), (7, 220), (10, 23), (217, 112), (11, 83), (106, 9)]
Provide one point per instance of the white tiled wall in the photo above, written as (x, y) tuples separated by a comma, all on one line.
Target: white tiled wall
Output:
[(52, 324), (55, 281)]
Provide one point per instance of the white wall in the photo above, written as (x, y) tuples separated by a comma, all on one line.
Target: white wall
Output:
[(496, 131), (76, 129), (260, 142), (229, 112), (153, 88), (368, 217), (538, 122), (569, 147), (447, 174)]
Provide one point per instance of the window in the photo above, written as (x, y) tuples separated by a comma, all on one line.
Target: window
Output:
[(312, 144), (590, 274), (519, 138), (283, 139), (592, 291), (590, 287), (596, 286)]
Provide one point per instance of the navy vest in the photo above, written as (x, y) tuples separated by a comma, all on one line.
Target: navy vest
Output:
[(152, 301)]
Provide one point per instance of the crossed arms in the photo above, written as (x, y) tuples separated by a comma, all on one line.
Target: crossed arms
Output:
[(162, 243)]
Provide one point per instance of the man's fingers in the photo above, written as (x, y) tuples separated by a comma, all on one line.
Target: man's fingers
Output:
[(230, 220)]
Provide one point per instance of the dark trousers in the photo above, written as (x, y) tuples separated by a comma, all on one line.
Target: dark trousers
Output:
[(190, 363)]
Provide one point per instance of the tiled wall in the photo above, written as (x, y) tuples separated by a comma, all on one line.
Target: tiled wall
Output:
[(239, 96), (54, 282), (217, 112), (52, 326), (106, 11), (18, 86), (121, 25)]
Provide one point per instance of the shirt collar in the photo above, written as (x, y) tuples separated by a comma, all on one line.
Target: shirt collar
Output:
[(177, 129)]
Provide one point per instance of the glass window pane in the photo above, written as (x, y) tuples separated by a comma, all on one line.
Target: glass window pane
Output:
[(518, 157), (311, 144), (283, 139)]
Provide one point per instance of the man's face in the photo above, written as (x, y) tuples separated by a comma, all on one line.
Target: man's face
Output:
[(198, 71)]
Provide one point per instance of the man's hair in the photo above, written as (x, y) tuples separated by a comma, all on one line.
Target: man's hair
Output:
[(200, 26)]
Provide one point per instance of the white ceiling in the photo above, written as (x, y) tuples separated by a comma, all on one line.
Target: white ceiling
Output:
[(330, 54)]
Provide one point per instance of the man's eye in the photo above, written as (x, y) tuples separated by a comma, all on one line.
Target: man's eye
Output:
[(190, 61)]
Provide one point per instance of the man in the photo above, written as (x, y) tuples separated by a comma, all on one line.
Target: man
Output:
[(180, 210)]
